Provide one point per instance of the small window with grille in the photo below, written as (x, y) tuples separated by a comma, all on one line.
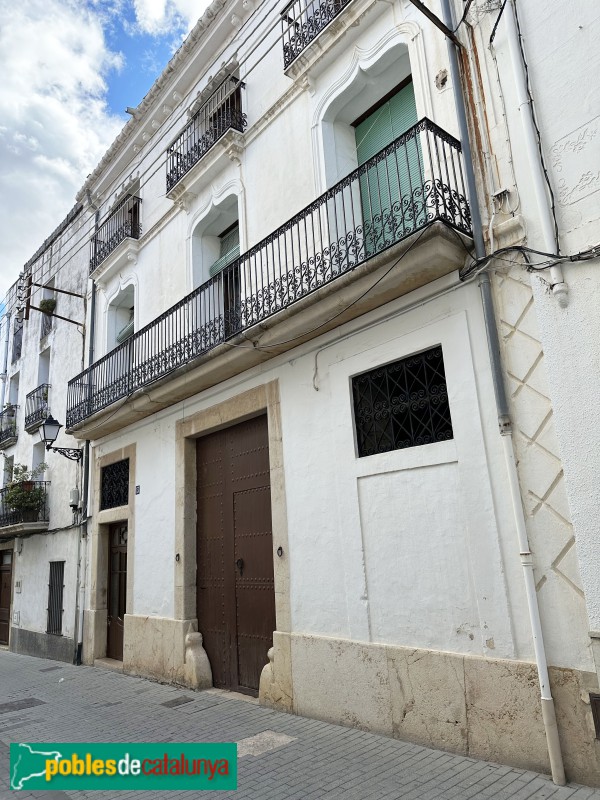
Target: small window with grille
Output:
[(402, 404), (55, 597), (114, 485)]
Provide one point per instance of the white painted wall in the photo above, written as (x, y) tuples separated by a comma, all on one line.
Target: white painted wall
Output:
[(414, 547), (563, 60)]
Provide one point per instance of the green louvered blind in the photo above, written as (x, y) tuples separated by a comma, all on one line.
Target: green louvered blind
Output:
[(390, 184), (229, 251)]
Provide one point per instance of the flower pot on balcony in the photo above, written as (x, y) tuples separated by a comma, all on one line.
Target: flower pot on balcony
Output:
[(23, 495)]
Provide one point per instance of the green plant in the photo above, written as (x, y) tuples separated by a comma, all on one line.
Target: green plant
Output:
[(21, 493), (47, 305)]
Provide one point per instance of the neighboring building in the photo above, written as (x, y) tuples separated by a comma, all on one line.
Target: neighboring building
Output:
[(40, 534), (289, 392)]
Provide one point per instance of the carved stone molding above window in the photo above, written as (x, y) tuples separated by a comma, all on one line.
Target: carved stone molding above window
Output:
[(124, 254), (312, 53)]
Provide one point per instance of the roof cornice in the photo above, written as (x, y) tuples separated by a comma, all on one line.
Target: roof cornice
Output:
[(132, 127)]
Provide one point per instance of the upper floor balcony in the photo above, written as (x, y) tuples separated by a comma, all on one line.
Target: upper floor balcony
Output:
[(122, 223), (24, 508), (37, 408), (302, 21), (397, 222), (8, 426), (220, 113)]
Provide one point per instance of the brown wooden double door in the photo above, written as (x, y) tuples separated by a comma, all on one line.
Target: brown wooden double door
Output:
[(117, 589), (5, 592), (235, 586)]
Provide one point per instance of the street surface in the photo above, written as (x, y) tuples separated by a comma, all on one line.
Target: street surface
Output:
[(282, 757)]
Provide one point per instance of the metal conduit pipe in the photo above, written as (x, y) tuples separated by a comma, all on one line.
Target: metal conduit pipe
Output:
[(82, 550), (4, 375), (547, 703)]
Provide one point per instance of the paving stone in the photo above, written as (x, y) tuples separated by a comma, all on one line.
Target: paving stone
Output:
[(287, 757)]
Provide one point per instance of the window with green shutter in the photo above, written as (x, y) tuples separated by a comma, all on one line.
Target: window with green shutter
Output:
[(388, 187), (229, 249)]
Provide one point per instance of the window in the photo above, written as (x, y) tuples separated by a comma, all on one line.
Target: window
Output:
[(120, 318), (229, 248), (17, 344), (391, 189), (48, 306), (215, 248), (7, 472), (403, 404), (114, 485), (55, 597)]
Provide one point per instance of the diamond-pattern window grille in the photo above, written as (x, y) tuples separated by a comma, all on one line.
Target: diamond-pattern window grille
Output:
[(403, 404), (114, 485)]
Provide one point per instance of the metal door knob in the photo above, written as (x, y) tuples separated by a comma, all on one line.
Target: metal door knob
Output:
[(240, 564)]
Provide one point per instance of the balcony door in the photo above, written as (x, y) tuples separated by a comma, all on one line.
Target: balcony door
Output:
[(5, 592), (229, 250), (391, 190)]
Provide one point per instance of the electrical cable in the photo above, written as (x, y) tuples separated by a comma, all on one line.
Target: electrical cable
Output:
[(537, 130), (553, 258), (498, 18), (146, 176), (464, 16)]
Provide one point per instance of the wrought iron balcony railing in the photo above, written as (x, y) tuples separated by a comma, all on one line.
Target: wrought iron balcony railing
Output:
[(303, 21), (24, 502), (222, 111), (8, 426), (123, 223), (37, 408), (412, 182)]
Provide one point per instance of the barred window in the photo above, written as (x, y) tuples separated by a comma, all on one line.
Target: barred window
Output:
[(403, 404), (55, 597), (114, 485)]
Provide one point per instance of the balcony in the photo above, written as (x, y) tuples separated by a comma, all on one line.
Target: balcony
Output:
[(24, 509), (8, 426), (123, 223), (332, 261), (36, 407), (303, 21), (221, 113)]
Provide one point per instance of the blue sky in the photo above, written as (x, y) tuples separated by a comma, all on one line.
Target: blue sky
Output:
[(69, 69), (145, 56)]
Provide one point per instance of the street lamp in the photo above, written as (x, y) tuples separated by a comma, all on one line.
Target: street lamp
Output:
[(48, 433)]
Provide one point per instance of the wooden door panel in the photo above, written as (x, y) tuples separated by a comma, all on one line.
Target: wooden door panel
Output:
[(255, 609), (236, 607), (5, 591), (211, 557), (117, 590)]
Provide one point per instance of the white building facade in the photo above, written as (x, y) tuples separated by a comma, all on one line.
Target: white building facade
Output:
[(41, 531), (299, 486)]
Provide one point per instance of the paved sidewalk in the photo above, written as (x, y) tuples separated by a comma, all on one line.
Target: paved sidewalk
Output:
[(282, 757)]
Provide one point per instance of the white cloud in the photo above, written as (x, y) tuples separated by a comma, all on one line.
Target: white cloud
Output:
[(167, 17), (55, 122)]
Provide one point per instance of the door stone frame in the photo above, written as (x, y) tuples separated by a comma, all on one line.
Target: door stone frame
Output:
[(96, 615), (252, 403), (11, 547)]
